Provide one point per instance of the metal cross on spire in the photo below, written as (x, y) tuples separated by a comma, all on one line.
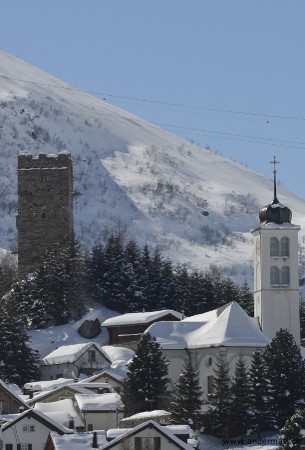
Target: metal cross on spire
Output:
[(274, 162)]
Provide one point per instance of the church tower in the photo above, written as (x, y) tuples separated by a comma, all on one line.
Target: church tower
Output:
[(276, 282)]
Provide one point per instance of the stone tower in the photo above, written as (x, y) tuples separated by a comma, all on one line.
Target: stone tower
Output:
[(45, 207), (276, 282)]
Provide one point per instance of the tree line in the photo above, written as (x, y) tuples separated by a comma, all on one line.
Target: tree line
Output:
[(122, 277)]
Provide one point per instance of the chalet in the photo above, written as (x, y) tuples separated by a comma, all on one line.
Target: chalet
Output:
[(76, 441), (100, 411), (113, 376), (70, 361), (29, 431), (127, 329), (148, 435), (10, 402)]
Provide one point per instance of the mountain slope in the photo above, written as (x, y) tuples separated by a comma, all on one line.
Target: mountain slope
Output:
[(133, 177)]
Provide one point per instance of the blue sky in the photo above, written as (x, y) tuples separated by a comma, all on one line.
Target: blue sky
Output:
[(228, 74)]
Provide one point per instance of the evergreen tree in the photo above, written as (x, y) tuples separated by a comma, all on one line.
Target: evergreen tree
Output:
[(219, 416), (260, 396), (240, 418), (286, 371), (185, 405), (145, 388), (292, 437), (245, 298), (18, 362)]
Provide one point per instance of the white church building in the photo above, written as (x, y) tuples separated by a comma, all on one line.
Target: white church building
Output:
[(229, 330)]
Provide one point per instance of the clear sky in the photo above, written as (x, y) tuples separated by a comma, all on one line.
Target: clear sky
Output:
[(228, 74)]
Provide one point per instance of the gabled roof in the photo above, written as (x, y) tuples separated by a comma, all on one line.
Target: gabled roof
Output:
[(117, 374), (74, 388), (227, 326), (61, 412), (40, 417), (14, 396), (140, 318), (71, 353), (149, 424)]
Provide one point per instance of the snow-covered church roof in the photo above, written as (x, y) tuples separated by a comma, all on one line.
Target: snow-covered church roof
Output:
[(227, 326)]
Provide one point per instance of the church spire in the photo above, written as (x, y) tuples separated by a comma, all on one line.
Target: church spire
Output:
[(275, 212), (274, 162)]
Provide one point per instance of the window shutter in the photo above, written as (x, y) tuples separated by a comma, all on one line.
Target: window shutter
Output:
[(18, 446), (137, 443)]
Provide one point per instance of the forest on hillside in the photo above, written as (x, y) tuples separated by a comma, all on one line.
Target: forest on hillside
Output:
[(121, 276)]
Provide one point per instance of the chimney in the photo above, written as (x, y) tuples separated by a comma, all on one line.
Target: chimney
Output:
[(94, 440)]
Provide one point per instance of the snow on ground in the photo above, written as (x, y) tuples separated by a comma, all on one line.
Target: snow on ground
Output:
[(49, 339)]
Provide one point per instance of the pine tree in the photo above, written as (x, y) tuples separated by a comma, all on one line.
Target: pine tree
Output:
[(245, 298), (145, 388), (185, 405), (292, 436), (219, 416), (18, 362), (286, 371), (240, 418), (260, 396)]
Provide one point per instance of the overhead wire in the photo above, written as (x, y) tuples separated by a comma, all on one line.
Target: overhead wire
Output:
[(194, 131)]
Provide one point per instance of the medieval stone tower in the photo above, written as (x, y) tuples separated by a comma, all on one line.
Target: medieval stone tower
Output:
[(45, 207)]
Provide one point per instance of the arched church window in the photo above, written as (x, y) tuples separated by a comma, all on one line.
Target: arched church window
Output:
[(285, 275), (285, 246), (274, 275), (274, 246)]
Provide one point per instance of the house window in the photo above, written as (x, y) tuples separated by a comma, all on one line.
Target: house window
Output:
[(8, 446), (147, 443), (274, 246), (91, 356), (90, 427), (28, 428), (285, 247), (24, 446)]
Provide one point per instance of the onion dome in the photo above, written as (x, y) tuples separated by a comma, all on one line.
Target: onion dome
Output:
[(275, 212)]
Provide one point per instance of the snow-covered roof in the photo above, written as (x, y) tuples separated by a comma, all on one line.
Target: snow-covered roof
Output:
[(40, 417), (147, 415), (119, 356), (61, 412), (48, 385), (69, 353), (77, 441), (99, 402), (117, 373), (151, 424), (11, 390), (227, 326), (140, 318)]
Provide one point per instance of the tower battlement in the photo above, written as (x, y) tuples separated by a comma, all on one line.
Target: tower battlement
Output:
[(45, 207)]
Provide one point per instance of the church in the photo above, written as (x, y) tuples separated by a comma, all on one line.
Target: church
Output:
[(229, 330)]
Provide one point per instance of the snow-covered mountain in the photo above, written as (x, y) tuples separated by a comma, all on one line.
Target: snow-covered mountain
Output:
[(133, 177)]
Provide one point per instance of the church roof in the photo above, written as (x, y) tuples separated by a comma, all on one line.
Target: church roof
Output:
[(227, 326)]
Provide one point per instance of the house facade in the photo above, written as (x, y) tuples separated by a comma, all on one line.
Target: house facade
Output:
[(29, 431), (71, 360)]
